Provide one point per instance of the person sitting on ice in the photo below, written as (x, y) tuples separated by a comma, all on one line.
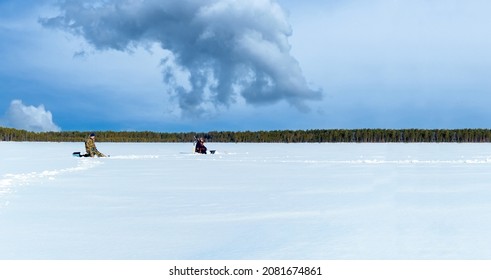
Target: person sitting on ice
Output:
[(90, 147), (200, 146)]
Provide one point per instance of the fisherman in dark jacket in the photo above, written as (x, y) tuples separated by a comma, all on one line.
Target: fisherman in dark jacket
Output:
[(200, 146)]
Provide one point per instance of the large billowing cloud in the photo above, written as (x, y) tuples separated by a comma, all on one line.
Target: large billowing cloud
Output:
[(217, 52), (29, 118)]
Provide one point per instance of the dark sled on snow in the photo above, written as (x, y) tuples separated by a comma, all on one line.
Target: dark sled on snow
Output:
[(79, 154)]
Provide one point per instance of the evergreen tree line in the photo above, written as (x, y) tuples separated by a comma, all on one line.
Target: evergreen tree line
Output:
[(276, 136)]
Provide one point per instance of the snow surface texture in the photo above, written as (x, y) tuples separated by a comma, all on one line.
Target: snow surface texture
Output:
[(247, 201)]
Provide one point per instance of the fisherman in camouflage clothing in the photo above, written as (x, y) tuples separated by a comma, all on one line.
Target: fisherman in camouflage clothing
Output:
[(90, 147)]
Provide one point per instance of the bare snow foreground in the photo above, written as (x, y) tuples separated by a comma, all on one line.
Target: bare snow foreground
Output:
[(247, 201)]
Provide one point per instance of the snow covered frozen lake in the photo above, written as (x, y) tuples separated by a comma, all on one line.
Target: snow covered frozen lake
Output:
[(247, 201)]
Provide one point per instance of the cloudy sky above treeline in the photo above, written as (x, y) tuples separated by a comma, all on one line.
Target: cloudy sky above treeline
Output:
[(189, 65)]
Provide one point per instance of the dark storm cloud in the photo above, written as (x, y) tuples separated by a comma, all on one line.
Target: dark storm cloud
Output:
[(216, 50)]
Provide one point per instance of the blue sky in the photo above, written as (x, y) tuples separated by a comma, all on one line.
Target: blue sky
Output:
[(244, 65)]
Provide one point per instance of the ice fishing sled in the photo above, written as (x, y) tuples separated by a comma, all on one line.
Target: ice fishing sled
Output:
[(79, 154)]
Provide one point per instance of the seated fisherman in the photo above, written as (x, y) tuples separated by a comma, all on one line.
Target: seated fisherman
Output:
[(90, 147), (200, 146)]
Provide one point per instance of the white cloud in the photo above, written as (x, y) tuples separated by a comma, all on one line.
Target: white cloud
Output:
[(29, 118)]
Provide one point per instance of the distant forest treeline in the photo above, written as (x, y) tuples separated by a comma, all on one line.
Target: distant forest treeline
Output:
[(276, 136)]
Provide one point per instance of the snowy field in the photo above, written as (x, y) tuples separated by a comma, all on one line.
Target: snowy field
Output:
[(247, 201)]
